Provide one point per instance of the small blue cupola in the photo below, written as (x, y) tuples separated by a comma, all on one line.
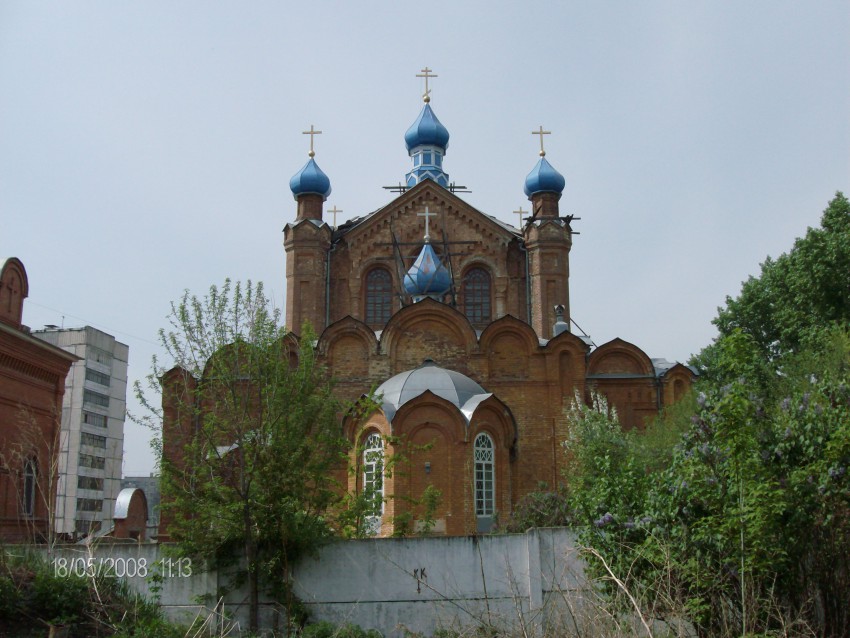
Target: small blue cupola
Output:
[(427, 277), (310, 180), (427, 141), (543, 178)]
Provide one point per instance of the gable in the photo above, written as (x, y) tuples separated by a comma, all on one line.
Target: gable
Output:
[(453, 220)]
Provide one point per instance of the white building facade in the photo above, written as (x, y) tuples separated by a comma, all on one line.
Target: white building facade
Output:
[(91, 445)]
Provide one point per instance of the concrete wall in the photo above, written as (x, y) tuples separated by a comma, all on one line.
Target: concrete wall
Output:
[(449, 582), (418, 584)]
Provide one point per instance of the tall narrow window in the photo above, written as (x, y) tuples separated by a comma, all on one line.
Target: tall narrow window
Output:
[(485, 490), (476, 296), (379, 297), (30, 483), (373, 476)]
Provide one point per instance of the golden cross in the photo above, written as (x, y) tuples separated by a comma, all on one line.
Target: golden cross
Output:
[(426, 73), (312, 133), (334, 211), (520, 212), (426, 215), (541, 133)]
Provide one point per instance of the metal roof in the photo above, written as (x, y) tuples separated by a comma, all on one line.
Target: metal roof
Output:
[(452, 386)]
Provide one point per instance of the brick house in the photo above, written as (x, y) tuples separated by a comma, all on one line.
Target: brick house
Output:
[(463, 323), (32, 383)]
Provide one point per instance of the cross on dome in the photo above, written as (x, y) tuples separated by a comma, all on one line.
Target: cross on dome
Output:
[(312, 133), (426, 73), (541, 133), (427, 215), (520, 212), (311, 179), (333, 211)]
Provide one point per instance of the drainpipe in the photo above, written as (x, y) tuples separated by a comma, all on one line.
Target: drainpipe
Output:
[(527, 282), (328, 282)]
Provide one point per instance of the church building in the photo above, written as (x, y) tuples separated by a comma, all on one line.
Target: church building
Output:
[(462, 323)]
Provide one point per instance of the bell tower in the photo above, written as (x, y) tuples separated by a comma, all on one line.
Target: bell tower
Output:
[(548, 239), (307, 241)]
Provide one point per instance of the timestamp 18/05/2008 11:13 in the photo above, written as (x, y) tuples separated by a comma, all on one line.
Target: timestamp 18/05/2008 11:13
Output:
[(111, 567)]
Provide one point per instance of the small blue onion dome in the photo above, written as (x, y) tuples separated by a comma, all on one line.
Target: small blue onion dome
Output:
[(310, 179), (427, 275), (426, 131), (544, 179)]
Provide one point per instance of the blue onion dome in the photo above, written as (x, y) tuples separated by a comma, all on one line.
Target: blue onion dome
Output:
[(544, 179), (427, 275), (310, 180), (427, 131)]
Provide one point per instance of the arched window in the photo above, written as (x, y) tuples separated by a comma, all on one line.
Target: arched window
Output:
[(485, 475), (30, 482), (379, 297), (373, 477), (476, 296)]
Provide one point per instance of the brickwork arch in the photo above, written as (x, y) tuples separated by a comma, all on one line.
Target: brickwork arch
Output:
[(676, 383), (432, 409), (619, 357), (428, 329), (496, 417), (512, 325), (14, 288), (347, 347)]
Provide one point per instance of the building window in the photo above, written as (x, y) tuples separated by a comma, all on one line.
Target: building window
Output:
[(379, 297), (30, 486), (373, 476), (93, 439), (95, 398), (101, 356), (476, 296), (89, 505), (485, 492), (94, 462), (97, 377), (91, 418), (89, 483)]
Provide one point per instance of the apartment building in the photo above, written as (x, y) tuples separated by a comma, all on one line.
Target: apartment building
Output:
[(91, 444)]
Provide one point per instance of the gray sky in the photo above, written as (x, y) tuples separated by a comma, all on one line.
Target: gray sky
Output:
[(146, 148)]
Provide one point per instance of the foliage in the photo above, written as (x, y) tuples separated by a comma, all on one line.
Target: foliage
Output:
[(325, 629), (541, 508), (607, 484), (361, 509), (60, 601), (749, 524), (744, 524), (33, 595), (795, 298), (418, 515), (261, 439)]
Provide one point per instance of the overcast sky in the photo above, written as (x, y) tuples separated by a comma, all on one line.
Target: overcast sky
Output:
[(146, 147)]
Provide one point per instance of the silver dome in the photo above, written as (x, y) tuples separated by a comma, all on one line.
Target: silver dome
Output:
[(452, 386)]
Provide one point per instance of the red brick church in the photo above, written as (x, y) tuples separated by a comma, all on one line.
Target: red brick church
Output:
[(463, 323)]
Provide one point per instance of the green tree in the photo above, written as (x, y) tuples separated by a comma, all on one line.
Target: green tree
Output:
[(745, 525), (794, 299), (255, 426)]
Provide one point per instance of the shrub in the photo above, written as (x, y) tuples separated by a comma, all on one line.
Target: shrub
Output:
[(325, 629)]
